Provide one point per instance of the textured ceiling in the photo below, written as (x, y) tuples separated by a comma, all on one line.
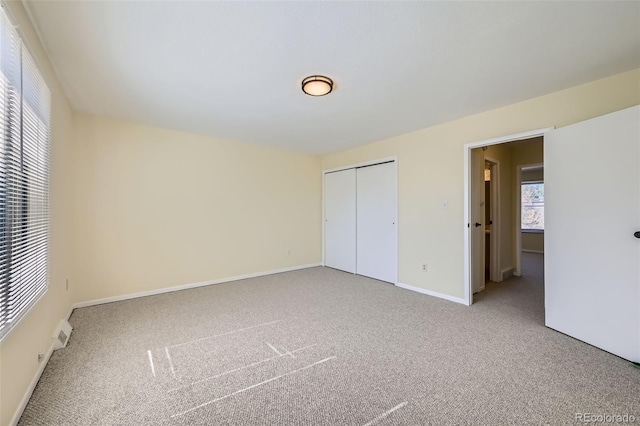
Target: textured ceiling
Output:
[(233, 69)]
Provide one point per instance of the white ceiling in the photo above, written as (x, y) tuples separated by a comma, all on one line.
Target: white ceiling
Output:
[(233, 69)]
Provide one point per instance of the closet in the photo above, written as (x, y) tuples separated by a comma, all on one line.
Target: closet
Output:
[(360, 225)]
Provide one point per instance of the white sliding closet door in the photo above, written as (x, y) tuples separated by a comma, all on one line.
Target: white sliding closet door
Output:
[(376, 222), (340, 220)]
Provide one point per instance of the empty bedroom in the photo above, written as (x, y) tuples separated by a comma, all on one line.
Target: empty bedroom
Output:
[(285, 213)]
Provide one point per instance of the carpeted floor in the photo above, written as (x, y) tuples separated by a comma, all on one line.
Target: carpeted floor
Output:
[(323, 347)]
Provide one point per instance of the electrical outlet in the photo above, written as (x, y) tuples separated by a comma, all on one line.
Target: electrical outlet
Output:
[(424, 267), (40, 357), (288, 252), (66, 284)]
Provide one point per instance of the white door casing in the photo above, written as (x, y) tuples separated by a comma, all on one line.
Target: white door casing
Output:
[(340, 220), (477, 224), (592, 209), (468, 232), (495, 268)]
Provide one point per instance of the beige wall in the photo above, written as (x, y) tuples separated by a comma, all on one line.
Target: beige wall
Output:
[(533, 175), (533, 242), (530, 151), (157, 208), (430, 170), (19, 350)]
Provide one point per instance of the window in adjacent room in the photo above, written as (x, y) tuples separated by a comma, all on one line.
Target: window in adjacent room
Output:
[(25, 111), (532, 198)]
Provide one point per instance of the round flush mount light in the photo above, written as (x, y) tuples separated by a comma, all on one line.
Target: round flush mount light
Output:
[(317, 85)]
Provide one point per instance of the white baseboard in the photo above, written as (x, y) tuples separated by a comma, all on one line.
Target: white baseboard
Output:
[(69, 313), (533, 251), (432, 293), (32, 386), (27, 395), (188, 286), (507, 273)]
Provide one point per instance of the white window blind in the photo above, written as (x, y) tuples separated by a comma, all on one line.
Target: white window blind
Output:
[(25, 120)]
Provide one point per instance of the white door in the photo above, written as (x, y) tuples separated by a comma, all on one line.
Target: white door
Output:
[(477, 228), (340, 220), (376, 222), (592, 209)]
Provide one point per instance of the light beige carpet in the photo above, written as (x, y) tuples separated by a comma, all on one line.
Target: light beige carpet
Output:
[(323, 347)]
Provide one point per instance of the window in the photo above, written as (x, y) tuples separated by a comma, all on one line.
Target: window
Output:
[(532, 199), (25, 110)]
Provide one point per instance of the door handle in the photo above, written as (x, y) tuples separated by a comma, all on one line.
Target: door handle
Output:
[(478, 224), (636, 234)]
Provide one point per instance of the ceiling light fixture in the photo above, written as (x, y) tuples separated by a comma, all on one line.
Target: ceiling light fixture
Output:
[(317, 85)]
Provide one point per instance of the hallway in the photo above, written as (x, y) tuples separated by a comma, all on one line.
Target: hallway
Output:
[(525, 294)]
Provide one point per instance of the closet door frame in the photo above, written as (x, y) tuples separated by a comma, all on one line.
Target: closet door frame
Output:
[(364, 164)]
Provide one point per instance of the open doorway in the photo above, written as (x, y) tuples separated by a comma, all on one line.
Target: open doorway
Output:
[(497, 173), (486, 219), (529, 213)]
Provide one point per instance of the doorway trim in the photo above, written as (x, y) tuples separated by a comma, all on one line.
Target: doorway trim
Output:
[(495, 273), (468, 293)]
